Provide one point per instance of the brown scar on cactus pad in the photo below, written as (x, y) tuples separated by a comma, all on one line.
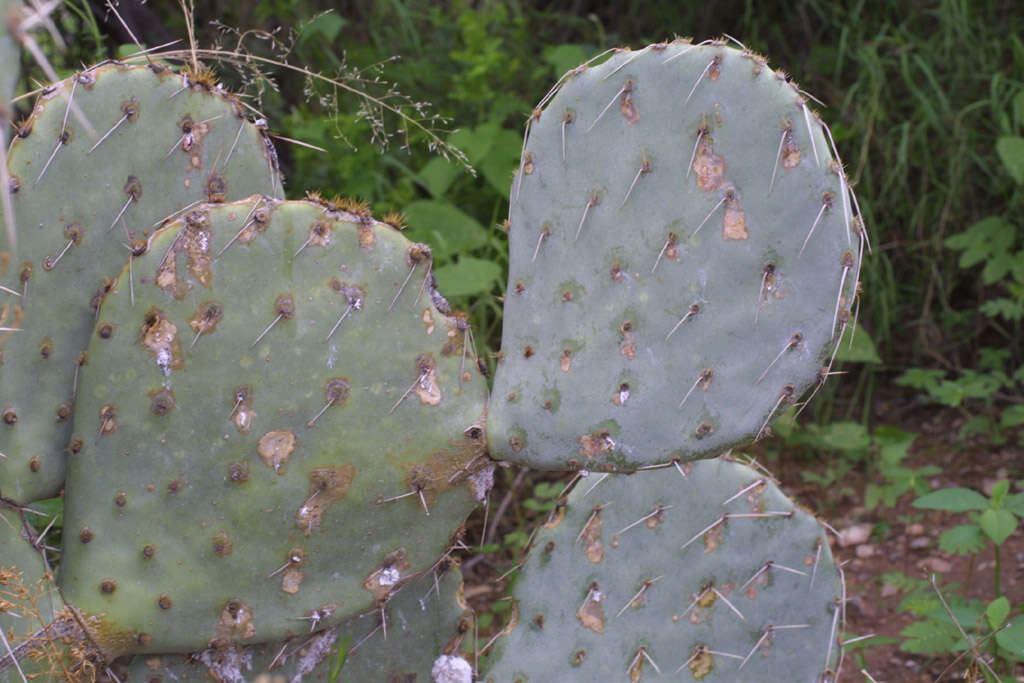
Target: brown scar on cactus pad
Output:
[(591, 612), (276, 447), (734, 225), (194, 242), (591, 537), (596, 444), (159, 336), (326, 486), (235, 621), (708, 167), (427, 388)]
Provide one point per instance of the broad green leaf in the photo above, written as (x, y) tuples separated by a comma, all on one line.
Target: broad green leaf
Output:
[(979, 384), (998, 524), (998, 265), (1012, 637), (49, 509), (502, 160), (948, 393), (921, 378), (997, 611), (999, 491), (862, 349), (1015, 504), (872, 494), (966, 614), (976, 425), (965, 539), (845, 436), (893, 443), (991, 236), (929, 637), (475, 143), (468, 276), (1012, 416), (438, 174), (564, 57), (1011, 152), (445, 228), (952, 500), (326, 25)]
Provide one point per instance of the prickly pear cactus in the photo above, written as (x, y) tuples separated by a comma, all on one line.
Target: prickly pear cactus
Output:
[(277, 419), (83, 200), (416, 621), (704, 571), (683, 257)]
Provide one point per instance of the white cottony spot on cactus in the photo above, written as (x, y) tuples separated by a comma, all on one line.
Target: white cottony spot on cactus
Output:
[(389, 577), (451, 669)]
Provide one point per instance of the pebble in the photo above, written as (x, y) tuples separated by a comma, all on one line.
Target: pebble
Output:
[(854, 535), (936, 564), (865, 550)]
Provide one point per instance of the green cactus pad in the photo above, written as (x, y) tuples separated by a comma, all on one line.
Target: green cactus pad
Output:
[(164, 146), (418, 621), (706, 573), (666, 296), (280, 420)]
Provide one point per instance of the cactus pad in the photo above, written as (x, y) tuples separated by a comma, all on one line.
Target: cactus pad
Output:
[(279, 419), (683, 258), (83, 200), (416, 620), (708, 573)]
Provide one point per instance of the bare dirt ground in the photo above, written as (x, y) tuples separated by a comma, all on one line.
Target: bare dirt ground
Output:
[(904, 539)]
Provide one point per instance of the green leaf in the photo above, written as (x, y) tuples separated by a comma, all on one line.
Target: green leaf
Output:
[(862, 349), (1012, 416), (437, 175), (468, 276), (976, 425), (501, 161), (328, 25), (929, 637), (50, 508), (953, 500), (844, 436), (988, 238), (1012, 637), (921, 378), (948, 393), (872, 494), (965, 539), (445, 228), (475, 143), (893, 444), (1015, 504), (997, 611), (998, 524), (564, 57), (999, 491), (1011, 152), (1003, 308)]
